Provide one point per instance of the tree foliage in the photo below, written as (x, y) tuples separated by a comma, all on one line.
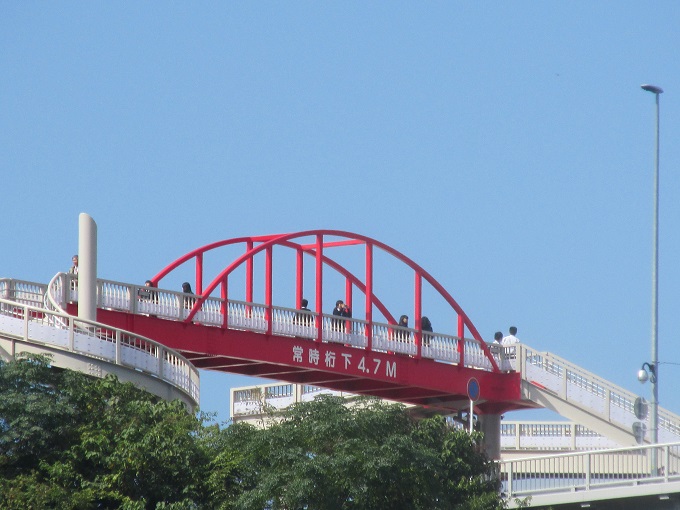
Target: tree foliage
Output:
[(74, 442), (370, 455), (70, 441)]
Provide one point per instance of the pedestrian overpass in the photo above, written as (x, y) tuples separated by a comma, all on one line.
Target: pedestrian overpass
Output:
[(221, 328)]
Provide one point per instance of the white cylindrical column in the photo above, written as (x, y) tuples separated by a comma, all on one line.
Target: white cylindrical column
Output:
[(87, 267), (490, 426)]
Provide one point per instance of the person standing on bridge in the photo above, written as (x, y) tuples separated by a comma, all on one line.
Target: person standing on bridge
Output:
[(188, 301), (340, 310), (74, 267), (401, 335), (304, 316), (426, 328), (74, 272), (511, 338)]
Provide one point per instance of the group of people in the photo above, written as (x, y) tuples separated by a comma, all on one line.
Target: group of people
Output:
[(509, 339), (305, 317)]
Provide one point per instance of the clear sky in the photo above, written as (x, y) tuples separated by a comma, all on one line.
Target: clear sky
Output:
[(506, 147)]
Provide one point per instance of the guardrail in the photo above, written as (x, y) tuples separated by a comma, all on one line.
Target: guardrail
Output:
[(138, 299), (589, 471), (572, 384), (37, 325), (26, 293), (551, 436)]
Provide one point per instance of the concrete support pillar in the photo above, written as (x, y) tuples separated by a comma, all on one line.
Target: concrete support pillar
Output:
[(87, 267), (490, 425)]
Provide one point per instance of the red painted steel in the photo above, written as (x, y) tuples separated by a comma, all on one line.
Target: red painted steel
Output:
[(403, 378), (423, 382)]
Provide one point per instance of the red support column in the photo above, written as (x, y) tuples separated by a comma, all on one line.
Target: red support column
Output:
[(224, 294), (418, 311), (369, 296), (319, 287), (199, 274), (348, 302), (461, 342), (299, 277), (249, 278), (268, 315), (249, 274)]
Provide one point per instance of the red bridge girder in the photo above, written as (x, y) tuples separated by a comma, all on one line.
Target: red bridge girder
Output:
[(409, 379)]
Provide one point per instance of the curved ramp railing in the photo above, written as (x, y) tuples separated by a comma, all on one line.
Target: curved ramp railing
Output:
[(23, 292), (572, 385), (589, 476), (37, 325), (242, 315)]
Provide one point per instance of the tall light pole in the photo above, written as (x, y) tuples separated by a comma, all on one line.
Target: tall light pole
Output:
[(654, 415)]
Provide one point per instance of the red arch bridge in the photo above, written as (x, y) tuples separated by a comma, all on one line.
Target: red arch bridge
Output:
[(220, 327), (233, 325)]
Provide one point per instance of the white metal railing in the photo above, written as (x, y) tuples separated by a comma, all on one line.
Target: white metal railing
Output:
[(255, 401), (587, 471), (552, 435), (38, 325), (173, 305), (545, 371), (587, 391), (26, 293)]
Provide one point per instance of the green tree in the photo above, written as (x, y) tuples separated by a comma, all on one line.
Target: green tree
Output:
[(71, 441), (370, 455), (74, 442)]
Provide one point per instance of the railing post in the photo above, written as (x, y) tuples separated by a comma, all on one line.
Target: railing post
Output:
[(25, 314), (587, 469), (118, 348), (71, 335)]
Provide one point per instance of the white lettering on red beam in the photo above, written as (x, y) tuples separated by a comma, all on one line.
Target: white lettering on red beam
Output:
[(365, 366)]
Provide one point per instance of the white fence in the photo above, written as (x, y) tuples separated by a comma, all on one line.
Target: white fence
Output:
[(580, 388), (256, 317), (36, 325), (588, 471)]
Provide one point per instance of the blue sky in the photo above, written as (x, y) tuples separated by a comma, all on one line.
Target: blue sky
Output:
[(506, 147)]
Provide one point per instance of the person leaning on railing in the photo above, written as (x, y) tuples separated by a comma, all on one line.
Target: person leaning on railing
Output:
[(148, 295), (340, 310), (426, 328), (304, 316)]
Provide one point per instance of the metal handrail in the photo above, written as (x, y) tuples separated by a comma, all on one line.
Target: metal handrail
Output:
[(36, 325), (601, 398), (249, 316), (587, 471)]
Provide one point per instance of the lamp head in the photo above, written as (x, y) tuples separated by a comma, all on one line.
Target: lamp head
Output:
[(643, 375), (652, 88)]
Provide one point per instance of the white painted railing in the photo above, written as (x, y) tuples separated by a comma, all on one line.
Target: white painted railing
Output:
[(257, 401), (37, 325), (173, 305), (587, 391), (553, 436), (588, 471), (26, 293)]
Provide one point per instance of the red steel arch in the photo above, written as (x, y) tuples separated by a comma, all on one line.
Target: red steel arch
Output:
[(258, 244)]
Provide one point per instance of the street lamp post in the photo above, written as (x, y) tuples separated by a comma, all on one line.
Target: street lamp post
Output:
[(654, 414)]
